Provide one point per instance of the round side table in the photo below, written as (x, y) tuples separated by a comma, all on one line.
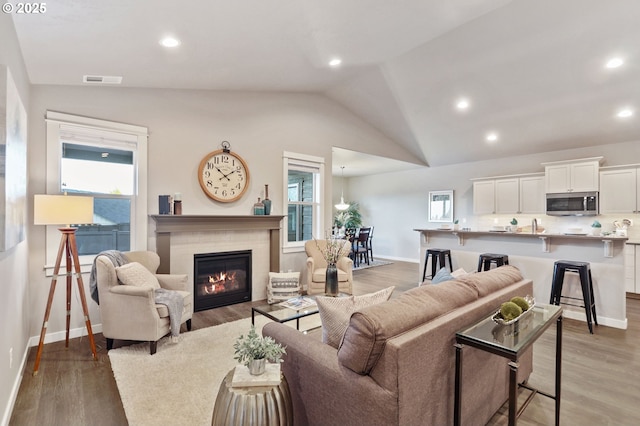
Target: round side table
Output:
[(252, 405)]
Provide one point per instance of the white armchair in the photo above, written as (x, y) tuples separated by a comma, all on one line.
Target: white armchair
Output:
[(129, 312), (317, 268)]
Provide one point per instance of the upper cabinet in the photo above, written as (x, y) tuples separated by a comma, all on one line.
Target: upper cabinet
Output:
[(572, 176), (620, 190), (507, 195)]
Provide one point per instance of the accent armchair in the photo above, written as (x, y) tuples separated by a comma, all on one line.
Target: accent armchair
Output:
[(129, 312), (317, 268)]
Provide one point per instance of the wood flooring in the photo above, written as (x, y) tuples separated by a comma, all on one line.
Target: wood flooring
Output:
[(600, 380)]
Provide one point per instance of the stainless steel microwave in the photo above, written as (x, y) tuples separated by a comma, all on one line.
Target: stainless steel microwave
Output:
[(572, 204)]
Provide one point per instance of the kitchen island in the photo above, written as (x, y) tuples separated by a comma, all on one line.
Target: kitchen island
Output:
[(535, 254)]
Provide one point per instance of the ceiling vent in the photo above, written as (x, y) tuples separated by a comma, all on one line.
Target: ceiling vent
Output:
[(102, 79)]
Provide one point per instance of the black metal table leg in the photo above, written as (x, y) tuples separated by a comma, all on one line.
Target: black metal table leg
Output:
[(513, 392), (558, 366), (457, 404)]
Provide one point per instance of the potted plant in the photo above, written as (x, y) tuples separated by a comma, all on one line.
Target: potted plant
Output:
[(254, 350), (334, 249), (350, 219), (596, 228), (455, 225), (514, 225)]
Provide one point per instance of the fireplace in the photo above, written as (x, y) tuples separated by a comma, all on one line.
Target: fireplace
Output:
[(221, 279)]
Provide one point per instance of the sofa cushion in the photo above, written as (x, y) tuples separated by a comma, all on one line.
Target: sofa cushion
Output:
[(336, 311), (135, 274), (489, 282), (371, 327)]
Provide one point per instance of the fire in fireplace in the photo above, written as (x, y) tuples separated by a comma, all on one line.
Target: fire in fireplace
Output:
[(221, 279)]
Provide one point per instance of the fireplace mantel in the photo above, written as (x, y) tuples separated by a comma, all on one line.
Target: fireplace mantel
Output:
[(168, 224)]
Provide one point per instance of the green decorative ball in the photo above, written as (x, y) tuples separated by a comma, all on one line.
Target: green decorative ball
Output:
[(510, 310), (520, 301)]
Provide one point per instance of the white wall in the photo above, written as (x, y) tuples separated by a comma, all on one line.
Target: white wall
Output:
[(396, 203), (14, 303), (184, 126)]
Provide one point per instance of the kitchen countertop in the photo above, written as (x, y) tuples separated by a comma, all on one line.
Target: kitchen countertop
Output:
[(611, 237)]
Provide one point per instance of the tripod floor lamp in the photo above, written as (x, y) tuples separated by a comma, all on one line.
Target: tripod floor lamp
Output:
[(64, 210)]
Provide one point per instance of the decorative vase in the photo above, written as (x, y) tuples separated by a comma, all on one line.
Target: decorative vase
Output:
[(595, 231), (258, 208), (266, 201), (257, 366), (331, 280)]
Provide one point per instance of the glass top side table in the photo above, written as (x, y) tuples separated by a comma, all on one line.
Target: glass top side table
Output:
[(510, 341)]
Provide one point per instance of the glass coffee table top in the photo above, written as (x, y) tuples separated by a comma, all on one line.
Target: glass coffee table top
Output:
[(279, 313)]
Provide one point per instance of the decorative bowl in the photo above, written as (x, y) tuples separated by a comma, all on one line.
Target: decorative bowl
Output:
[(497, 317)]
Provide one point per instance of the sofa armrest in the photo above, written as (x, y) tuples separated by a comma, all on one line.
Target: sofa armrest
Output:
[(174, 281), (311, 266), (317, 380)]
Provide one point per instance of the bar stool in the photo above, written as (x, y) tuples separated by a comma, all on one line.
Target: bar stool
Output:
[(486, 259), (584, 269), (438, 256)]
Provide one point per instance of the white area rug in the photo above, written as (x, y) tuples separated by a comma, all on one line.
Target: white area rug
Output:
[(179, 384)]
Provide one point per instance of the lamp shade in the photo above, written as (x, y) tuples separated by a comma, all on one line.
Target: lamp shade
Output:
[(62, 209)]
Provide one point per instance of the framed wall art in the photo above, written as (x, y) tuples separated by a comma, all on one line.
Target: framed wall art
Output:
[(13, 163), (441, 206)]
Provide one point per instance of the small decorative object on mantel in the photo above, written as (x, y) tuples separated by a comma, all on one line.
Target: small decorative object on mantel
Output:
[(164, 204), (258, 208), (177, 203), (253, 351), (266, 201)]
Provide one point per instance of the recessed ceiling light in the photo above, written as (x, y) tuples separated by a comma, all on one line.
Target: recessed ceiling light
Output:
[(614, 63), (170, 42), (462, 104), (491, 137), (335, 62), (625, 113)]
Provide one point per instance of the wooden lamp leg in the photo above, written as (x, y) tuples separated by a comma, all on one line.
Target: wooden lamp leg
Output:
[(69, 247)]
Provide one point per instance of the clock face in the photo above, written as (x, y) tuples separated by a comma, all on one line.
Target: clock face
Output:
[(223, 176)]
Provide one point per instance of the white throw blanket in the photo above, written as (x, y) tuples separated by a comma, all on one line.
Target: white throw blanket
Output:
[(174, 302)]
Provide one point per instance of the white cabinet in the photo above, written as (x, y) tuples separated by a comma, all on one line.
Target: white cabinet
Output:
[(509, 195), (581, 176), (620, 190), (632, 268), (532, 195), (484, 197)]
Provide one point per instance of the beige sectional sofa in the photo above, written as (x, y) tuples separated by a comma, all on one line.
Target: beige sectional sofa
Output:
[(396, 362)]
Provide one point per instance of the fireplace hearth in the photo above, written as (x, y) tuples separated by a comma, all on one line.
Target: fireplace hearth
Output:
[(221, 279)]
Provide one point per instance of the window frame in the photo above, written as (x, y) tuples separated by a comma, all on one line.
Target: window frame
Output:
[(294, 161), (136, 136)]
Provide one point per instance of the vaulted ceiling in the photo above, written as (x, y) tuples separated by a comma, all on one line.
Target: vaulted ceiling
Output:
[(533, 72)]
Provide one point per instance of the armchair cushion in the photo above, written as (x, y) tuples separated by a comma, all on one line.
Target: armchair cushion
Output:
[(335, 312), (135, 274)]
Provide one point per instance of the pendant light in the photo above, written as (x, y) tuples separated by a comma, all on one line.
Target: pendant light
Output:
[(342, 205)]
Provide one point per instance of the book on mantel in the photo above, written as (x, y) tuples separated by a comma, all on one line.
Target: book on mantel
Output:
[(270, 377)]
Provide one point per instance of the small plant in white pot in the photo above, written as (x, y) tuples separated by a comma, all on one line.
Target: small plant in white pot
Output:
[(455, 225), (596, 228), (253, 351)]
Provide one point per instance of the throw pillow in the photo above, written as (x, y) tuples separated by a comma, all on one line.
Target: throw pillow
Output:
[(283, 286), (459, 273), (135, 274), (441, 276), (335, 312)]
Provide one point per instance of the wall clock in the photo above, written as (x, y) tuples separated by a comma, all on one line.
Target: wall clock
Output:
[(223, 175)]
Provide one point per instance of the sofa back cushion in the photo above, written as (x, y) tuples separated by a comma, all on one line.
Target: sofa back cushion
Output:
[(489, 282), (370, 327)]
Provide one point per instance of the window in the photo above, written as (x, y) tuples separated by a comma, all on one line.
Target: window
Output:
[(303, 185), (108, 161)]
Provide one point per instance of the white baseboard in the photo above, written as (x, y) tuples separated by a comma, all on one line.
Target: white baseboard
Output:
[(399, 259), (61, 335), (14, 389), (609, 322)]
